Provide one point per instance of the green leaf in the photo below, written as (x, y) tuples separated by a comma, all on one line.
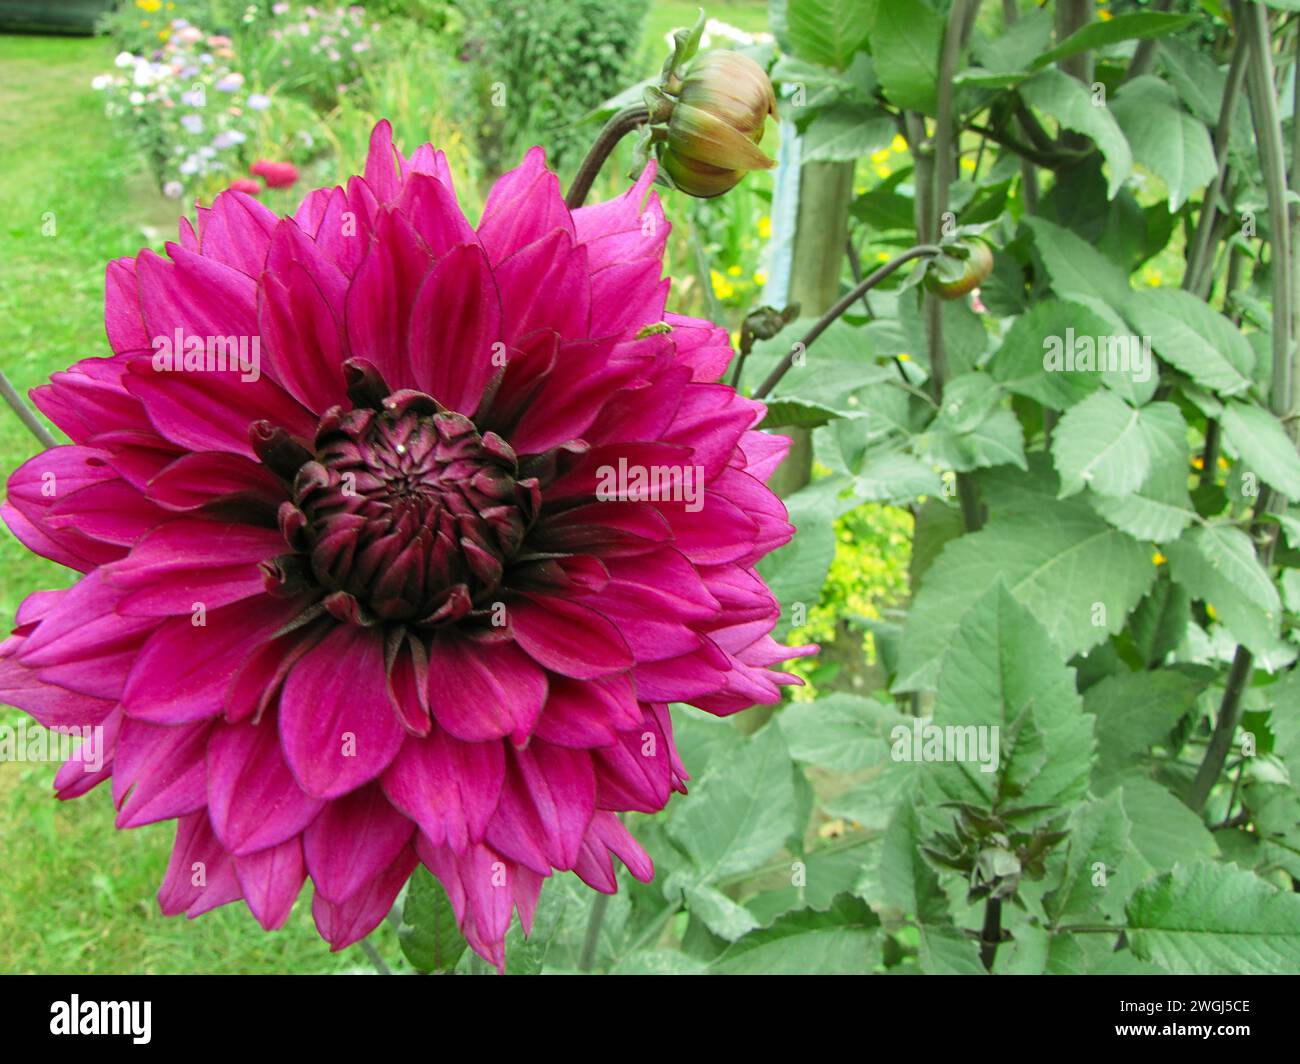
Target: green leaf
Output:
[(1136, 25), (1135, 711), (659, 962), (1169, 142), (742, 811), (1263, 444), (724, 917), (905, 45), (1102, 444), (973, 429), (843, 941), (1050, 557), (1217, 564), (1192, 336), (1164, 830), (1161, 507), (844, 132), (1075, 267), (796, 413), (429, 935), (1099, 836), (842, 732), (797, 571), (1001, 672), (1210, 919), (1020, 364), (827, 31), (1070, 102), (895, 477)]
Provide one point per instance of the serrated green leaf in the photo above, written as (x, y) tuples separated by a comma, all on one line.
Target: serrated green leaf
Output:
[(1134, 25), (1192, 336), (1069, 101), (1217, 564), (843, 941), (905, 44), (1210, 919), (1021, 364), (1075, 267), (1263, 444), (827, 31), (1172, 144), (1050, 557), (429, 935)]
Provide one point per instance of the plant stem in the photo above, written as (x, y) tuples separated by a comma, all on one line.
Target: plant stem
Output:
[(368, 948), (959, 17), (591, 941), (991, 935), (1198, 270), (1144, 56), (25, 415), (846, 301), (619, 126), (1252, 22)]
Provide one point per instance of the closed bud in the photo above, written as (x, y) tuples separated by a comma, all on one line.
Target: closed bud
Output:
[(716, 123)]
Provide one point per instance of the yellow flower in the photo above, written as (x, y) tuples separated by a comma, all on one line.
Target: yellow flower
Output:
[(880, 156), (164, 34), (760, 277), (734, 271), (898, 143), (722, 288), (968, 164), (148, 5), (1223, 462), (1198, 462), (904, 357), (882, 256), (1213, 613), (1158, 559), (765, 227), (1104, 15), (883, 171)]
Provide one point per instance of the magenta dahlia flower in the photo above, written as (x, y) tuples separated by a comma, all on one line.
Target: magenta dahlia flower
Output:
[(397, 538)]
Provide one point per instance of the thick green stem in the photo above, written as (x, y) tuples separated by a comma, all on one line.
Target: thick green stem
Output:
[(618, 127)]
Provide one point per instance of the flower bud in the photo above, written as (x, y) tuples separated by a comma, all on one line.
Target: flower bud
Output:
[(716, 124)]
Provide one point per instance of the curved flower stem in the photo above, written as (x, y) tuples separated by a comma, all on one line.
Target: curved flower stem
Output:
[(846, 301), (368, 948), (25, 414), (618, 127)]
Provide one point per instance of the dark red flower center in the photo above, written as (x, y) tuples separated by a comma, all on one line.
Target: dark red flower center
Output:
[(405, 512)]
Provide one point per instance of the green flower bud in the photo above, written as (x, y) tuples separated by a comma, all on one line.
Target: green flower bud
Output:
[(716, 123)]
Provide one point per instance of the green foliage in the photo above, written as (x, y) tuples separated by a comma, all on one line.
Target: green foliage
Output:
[(539, 68)]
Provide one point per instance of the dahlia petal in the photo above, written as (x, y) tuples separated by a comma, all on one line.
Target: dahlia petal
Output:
[(381, 163), (484, 890), (482, 691), (305, 342), (546, 803), (79, 774), (50, 705), (606, 835), (568, 638), (635, 773), (588, 713), (193, 481), (112, 512), (236, 231), (379, 301), (343, 924), (183, 670), (524, 205), (253, 799), (122, 319), (628, 228), (701, 345), (355, 838), (211, 411), (336, 725), (271, 880), (159, 772), (545, 285), (455, 323), (200, 875), (449, 788), (429, 204)]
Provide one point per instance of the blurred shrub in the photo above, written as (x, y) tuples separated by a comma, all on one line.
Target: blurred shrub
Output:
[(540, 67)]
